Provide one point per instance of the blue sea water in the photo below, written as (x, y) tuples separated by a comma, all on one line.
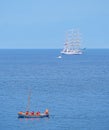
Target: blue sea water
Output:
[(75, 89)]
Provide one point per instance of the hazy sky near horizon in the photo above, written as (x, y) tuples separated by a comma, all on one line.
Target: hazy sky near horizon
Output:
[(43, 24)]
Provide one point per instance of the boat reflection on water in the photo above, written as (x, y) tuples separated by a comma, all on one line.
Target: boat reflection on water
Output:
[(33, 119)]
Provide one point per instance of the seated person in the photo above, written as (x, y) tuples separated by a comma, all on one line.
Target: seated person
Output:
[(27, 112), (38, 113)]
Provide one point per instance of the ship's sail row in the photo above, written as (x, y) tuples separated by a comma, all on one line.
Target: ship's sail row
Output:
[(72, 43)]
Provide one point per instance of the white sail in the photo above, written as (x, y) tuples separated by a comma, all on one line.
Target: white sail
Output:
[(72, 43)]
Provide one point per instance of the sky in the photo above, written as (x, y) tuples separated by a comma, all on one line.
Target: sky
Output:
[(37, 24)]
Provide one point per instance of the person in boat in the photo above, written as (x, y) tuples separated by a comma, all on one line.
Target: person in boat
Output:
[(20, 112), (27, 112), (38, 113), (46, 111), (32, 113)]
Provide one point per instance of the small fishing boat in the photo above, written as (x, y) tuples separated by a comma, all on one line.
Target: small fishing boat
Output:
[(33, 114), (59, 57)]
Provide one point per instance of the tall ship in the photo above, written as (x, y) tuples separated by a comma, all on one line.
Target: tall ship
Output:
[(72, 43)]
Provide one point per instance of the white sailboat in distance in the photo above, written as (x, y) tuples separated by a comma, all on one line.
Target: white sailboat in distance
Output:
[(72, 43)]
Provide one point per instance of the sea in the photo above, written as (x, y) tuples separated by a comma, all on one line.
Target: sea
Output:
[(74, 88)]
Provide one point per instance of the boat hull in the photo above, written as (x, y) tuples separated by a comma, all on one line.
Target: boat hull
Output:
[(72, 53), (32, 116)]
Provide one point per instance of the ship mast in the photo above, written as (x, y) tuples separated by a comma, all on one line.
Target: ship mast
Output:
[(28, 104)]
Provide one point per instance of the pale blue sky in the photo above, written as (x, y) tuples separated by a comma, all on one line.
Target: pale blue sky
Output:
[(43, 23)]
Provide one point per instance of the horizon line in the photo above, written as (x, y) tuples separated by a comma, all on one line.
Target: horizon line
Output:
[(43, 48)]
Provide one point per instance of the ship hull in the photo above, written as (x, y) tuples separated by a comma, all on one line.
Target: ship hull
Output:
[(23, 115), (72, 53)]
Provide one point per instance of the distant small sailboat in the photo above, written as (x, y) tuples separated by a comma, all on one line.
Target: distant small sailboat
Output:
[(32, 114)]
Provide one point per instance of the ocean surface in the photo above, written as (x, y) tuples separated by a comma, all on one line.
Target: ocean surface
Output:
[(75, 89)]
